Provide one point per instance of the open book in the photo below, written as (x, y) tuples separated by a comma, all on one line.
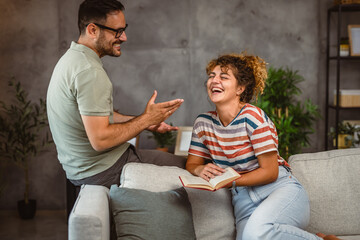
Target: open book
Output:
[(214, 184)]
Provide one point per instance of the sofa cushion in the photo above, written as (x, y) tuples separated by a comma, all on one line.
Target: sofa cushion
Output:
[(212, 211), (140, 214), (332, 181)]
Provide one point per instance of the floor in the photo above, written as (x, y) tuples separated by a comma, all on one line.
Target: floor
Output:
[(47, 225)]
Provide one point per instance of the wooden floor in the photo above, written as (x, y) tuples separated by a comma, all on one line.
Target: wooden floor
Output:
[(49, 225)]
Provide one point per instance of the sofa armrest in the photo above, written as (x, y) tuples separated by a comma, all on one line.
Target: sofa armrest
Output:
[(332, 181), (89, 218)]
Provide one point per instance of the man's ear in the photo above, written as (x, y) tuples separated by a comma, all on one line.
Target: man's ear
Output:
[(92, 31)]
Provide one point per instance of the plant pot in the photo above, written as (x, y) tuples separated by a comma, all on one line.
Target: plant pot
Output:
[(164, 149), (27, 210), (342, 143)]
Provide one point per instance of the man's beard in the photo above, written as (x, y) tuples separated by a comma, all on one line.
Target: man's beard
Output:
[(106, 48)]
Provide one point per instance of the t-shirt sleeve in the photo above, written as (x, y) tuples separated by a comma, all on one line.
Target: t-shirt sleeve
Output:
[(197, 147), (93, 91), (263, 138)]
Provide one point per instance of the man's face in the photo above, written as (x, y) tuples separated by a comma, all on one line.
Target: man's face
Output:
[(107, 44)]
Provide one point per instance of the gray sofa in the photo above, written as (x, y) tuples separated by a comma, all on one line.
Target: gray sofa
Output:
[(331, 178)]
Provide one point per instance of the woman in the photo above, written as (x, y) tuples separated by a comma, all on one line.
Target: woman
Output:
[(269, 203)]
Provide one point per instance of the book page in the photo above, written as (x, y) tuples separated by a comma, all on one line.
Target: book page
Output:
[(194, 181), (229, 174), (214, 184)]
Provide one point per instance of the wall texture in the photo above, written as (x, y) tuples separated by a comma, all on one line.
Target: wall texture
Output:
[(29, 47), (169, 44)]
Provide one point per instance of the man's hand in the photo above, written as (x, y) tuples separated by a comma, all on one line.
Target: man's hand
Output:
[(162, 128), (158, 112)]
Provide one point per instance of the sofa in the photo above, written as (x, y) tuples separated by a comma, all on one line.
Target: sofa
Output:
[(331, 178)]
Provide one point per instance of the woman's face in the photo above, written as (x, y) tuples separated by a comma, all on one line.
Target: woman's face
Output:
[(222, 87)]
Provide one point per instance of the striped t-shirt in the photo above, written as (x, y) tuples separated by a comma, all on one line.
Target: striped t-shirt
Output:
[(250, 134)]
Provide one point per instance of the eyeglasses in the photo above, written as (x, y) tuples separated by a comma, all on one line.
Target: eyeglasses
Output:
[(118, 32)]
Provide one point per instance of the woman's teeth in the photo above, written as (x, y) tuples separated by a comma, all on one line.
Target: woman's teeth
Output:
[(216, 89)]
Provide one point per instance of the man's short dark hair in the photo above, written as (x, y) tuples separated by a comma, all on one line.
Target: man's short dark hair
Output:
[(96, 11)]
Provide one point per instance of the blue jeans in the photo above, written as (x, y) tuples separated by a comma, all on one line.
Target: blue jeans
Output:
[(278, 210)]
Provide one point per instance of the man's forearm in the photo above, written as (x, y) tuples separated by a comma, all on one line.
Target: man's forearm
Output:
[(103, 135), (120, 118)]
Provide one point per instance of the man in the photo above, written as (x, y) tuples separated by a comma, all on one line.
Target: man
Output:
[(91, 139)]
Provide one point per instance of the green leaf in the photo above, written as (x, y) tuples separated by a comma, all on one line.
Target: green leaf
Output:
[(21, 134), (279, 93)]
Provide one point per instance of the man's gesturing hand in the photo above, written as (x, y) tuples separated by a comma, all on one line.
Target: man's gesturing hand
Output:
[(162, 128), (159, 112)]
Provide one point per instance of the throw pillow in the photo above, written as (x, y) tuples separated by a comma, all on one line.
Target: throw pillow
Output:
[(140, 214), (213, 213)]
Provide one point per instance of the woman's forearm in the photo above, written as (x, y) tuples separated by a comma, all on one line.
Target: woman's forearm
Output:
[(191, 167), (193, 164), (267, 172), (257, 177)]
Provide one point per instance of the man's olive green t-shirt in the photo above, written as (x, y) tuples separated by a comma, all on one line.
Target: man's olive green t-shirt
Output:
[(79, 86)]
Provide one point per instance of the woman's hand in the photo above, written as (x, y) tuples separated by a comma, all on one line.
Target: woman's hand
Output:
[(208, 171), (195, 165)]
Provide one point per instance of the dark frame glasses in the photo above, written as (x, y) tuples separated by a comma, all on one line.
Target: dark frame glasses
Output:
[(118, 32)]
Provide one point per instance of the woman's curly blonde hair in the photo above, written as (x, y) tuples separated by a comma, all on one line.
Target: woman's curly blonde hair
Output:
[(249, 71)]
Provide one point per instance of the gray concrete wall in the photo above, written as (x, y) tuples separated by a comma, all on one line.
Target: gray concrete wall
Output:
[(169, 44), (29, 50)]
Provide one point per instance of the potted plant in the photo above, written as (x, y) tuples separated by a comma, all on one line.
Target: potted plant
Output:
[(21, 137), (163, 140), (346, 135), (293, 119)]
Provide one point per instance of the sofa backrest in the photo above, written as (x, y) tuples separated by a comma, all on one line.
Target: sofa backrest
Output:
[(212, 211), (332, 181)]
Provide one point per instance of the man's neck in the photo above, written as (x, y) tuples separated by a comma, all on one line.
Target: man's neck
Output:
[(88, 43)]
